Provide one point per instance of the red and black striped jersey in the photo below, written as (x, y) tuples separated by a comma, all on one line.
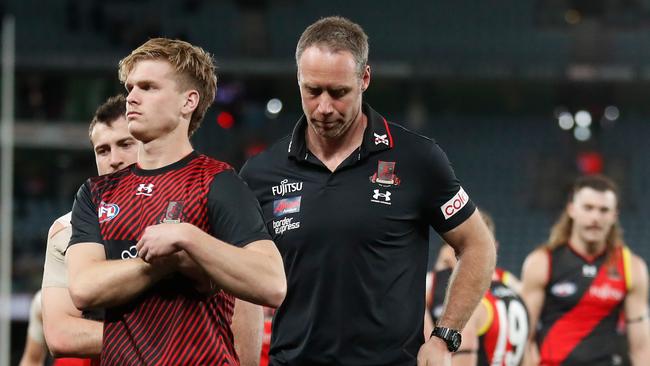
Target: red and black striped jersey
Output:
[(502, 338), (579, 322), (170, 323)]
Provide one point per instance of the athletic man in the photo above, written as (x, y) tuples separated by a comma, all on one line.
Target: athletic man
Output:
[(349, 198), (584, 283), (138, 234)]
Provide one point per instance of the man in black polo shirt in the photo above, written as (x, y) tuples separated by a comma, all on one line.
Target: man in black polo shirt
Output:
[(349, 199)]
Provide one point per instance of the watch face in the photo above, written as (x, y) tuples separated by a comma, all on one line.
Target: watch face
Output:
[(456, 340)]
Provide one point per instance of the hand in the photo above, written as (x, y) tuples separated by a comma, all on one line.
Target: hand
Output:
[(160, 241), (434, 352)]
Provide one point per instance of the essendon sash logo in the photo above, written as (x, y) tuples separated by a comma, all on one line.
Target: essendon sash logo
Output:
[(107, 211), (454, 205)]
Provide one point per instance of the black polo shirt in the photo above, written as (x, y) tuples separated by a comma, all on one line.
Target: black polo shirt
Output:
[(355, 243)]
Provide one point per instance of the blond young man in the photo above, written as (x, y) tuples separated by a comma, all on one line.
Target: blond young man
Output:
[(139, 234)]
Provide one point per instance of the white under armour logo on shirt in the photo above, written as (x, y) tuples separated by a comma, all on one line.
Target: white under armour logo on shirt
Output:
[(379, 197), (381, 139), (144, 190)]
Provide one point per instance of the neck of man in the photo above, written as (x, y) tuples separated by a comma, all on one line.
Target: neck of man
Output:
[(333, 151), (587, 248), (164, 150)]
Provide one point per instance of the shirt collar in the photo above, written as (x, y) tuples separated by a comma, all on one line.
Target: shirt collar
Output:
[(376, 137)]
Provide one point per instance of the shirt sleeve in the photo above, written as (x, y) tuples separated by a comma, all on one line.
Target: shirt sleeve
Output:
[(234, 213), (85, 224), (54, 271), (448, 203)]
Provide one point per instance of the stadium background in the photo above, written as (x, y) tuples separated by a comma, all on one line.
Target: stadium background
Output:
[(523, 95)]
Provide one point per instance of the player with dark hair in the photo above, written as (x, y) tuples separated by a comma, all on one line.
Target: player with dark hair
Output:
[(584, 285), (67, 332)]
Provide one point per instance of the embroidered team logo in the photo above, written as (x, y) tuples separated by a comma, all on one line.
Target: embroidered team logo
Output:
[(385, 175), (381, 197), (589, 270), (381, 139), (107, 211), (173, 212), (286, 206), (144, 190)]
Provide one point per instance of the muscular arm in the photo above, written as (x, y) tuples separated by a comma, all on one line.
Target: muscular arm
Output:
[(247, 328), (95, 282), (35, 351), (471, 277), (636, 313), (34, 354), (534, 277), (254, 273), (67, 333)]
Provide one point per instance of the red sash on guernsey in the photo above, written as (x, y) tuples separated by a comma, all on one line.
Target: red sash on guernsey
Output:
[(74, 362), (603, 295)]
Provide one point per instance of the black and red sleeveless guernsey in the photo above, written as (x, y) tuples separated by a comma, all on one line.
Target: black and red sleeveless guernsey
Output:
[(502, 338), (579, 322), (170, 323)]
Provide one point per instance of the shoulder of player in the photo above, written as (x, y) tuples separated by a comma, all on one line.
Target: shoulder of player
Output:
[(59, 225), (638, 269), (536, 266)]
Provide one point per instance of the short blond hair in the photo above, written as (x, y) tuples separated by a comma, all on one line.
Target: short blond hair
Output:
[(193, 65)]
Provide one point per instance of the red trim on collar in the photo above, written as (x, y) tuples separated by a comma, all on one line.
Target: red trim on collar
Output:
[(390, 137)]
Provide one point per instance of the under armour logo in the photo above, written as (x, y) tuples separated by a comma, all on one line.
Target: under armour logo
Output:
[(589, 270), (381, 139), (380, 197), (144, 190)]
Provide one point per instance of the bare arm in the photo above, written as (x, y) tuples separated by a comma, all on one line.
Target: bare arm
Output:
[(247, 328), (34, 354), (471, 277), (67, 333), (636, 313), (95, 282), (534, 278), (254, 273), (477, 256)]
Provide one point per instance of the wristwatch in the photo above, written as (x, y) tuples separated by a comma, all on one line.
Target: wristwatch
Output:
[(450, 336)]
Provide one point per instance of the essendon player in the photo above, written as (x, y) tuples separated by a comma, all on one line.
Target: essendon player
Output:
[(67, 332), (138, 233), (584, 283), (497, 331)]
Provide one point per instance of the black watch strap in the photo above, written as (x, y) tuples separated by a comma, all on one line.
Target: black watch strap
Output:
[(451, 337)]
